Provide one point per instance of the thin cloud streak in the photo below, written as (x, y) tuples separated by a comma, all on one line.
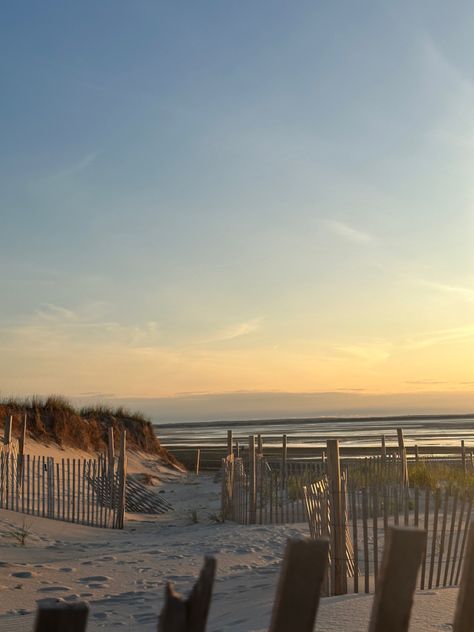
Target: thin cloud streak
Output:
[(348, 233), (235, 331), (464, 292)]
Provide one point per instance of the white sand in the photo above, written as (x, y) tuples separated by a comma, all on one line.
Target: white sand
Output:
[(121, 574)]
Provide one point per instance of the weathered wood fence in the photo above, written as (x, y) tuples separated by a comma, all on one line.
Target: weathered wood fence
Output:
[(366, 517), (354, 508), (260, 493), (85, 491), (298, 591)]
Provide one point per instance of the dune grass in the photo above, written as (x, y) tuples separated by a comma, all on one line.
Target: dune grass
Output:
[(426, 473), (54, 418)]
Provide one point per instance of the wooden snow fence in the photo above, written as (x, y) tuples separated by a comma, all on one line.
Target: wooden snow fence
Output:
[(140, 499), (298, 591), (445, 516), (73, 490), (321, 522), (255, 492), (91, 492)]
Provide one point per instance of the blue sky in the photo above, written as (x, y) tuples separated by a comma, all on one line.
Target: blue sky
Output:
[(216, 197)]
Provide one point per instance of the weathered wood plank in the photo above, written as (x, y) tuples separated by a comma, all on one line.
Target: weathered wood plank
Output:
[(62, 617), (464, 617), (397, 580), (338, 543), (189, 615), (299, 586)]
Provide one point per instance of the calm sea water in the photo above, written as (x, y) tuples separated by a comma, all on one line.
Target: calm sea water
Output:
[(351, 432)]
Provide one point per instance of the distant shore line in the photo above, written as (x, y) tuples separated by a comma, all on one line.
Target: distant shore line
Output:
[(309, 420)]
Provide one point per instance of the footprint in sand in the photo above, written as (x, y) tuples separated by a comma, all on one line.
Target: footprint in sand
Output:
[(94, 578), (95, 582), (23, 574), (49, 601), (72, 597), (66, 569), (54, 589), (97, 586), (100, 615)]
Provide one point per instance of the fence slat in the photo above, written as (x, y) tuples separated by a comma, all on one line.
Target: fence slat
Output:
[(433, 537), (394, 593), (464, 539), (375, 519), (365, 532), (451, 536), (355, 542), (458, 537), (464, 617), (443, 536), (299, 586), (190, 615)]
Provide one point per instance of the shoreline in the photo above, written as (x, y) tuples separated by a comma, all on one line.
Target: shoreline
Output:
[(216, 423)]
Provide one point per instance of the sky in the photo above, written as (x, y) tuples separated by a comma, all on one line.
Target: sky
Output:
[(210, 202)]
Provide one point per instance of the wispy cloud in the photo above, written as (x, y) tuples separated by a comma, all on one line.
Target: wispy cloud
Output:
[(458, 290), (63, 175), (53, 325), (441, 336), (370, 352), (455, 128), (348, 233), (77, 167), (235, 331)]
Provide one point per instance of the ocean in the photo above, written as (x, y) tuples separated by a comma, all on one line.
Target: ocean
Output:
[(355, 431)]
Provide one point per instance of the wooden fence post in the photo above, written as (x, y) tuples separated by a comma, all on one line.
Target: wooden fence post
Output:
[(299, 586), (111, 468), (62, 616), (463, 456), (21, 453), (122, 468), (189, 615), (259, 444), (230, 443), (252, 481), (284, 455), (198, 460), (464, 617), (397, 580), (338, 535), (111, 452), (403, 457), (384, 452), (7, 435)]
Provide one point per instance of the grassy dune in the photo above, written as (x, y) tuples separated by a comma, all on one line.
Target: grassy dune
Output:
[(55, 419)]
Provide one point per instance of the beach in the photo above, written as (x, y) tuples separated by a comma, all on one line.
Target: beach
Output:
[(121, 574)]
